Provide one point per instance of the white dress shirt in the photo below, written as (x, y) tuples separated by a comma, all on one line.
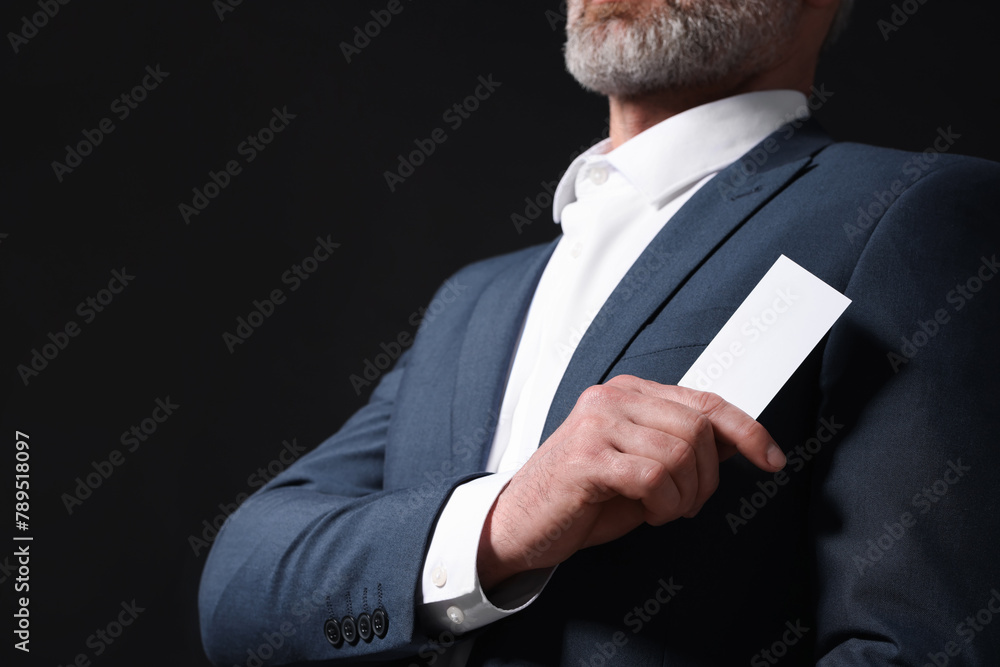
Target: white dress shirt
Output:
[(610, 203)]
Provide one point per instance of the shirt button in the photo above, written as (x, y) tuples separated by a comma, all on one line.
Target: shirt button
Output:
[(439, 576), (576, 250), (598, 175), (456, 615)]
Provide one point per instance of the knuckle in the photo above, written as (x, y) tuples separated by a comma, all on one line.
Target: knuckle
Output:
[(652, 477), (590, 423), (706, 402), (700, 427), (748, 430), (683, 458), (598, 394), (623, 381), (659, 441), (651, 489)]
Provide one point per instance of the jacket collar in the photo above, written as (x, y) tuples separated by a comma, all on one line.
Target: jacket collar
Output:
[(682, 150)]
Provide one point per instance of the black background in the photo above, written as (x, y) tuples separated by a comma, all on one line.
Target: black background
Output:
[(131, 539)]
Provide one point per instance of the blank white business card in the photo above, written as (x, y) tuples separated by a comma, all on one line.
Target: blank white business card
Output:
[(768, 336)]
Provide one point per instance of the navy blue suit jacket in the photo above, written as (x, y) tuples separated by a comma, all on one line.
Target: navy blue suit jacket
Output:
[(876, 545)]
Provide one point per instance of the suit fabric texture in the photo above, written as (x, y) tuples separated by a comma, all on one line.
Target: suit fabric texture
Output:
[(874, 546)]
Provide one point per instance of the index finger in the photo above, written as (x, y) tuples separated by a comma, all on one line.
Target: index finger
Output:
[(735, 430)]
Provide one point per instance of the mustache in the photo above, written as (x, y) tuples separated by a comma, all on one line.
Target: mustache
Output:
[(617, 9), (590, 14)]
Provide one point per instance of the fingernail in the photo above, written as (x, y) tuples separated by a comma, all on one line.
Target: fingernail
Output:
[(775, 456)]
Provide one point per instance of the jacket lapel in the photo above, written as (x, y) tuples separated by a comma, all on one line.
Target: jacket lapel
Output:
[(682, 246), (485, 358)]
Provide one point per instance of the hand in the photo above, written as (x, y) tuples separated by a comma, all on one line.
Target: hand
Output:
[(631, 451)]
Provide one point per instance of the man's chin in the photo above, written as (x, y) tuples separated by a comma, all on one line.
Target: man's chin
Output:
[(635, 49)]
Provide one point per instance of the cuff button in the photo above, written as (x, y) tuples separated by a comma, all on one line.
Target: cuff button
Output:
[(349, 629), (456, 615), (380, 622), (332, 631)]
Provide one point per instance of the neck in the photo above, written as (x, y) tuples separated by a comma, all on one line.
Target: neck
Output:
[(629, 116)]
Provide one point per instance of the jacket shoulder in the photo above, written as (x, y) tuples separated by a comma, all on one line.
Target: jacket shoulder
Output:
[(864, 162), (484, 270)]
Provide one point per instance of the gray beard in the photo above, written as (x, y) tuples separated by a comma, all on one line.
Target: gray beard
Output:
[(618, 49)]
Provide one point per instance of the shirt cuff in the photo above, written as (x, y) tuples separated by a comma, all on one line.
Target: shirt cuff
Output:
[(453, 598)]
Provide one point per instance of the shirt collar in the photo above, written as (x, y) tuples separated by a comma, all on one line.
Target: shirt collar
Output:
[(683, 149)]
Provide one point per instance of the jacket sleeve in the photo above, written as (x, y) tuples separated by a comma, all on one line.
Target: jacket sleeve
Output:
[(322, 542), (904, 510)]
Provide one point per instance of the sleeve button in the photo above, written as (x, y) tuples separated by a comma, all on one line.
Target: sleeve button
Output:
[(349, 628), (332, 631), (365, 627), (380, 622)]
